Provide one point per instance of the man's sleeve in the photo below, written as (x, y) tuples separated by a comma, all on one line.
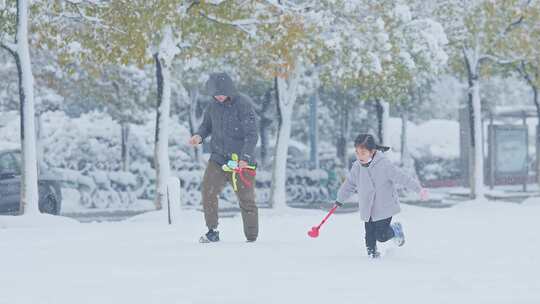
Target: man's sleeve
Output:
[(251, 136), (206, 127)]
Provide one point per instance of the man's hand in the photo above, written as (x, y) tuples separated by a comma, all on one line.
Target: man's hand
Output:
[(243, 164), (195, 140)]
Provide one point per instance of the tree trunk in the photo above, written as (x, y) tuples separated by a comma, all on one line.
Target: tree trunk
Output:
[(537, 104), (264, 126), (537, 141), (479, 189), (195, 120), (476, 163), (278, 197), (313, 130), (39, 143), (383, 118), (529, 78), (380, 112), (407, 162), (125, 149), (161, 155), (344, 132), (29, 183), (287, 91), (471, 143), (404, 129)]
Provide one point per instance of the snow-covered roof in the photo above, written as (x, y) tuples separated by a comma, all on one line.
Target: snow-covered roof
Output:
[(515, 111)]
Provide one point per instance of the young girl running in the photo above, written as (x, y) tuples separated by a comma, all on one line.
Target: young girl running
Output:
[(374, 178)]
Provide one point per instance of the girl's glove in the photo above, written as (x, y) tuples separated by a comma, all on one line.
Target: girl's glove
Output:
[(424, 194)]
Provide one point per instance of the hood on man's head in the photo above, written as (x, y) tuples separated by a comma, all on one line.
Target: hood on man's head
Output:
[(220, 84)]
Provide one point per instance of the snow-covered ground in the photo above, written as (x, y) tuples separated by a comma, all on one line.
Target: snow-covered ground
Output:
[(475, 252)]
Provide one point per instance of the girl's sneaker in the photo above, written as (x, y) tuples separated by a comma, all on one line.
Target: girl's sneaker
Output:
[(373, 253), (399, 236)]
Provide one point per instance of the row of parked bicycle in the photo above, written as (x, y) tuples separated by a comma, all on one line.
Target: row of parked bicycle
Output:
[(105, 189)]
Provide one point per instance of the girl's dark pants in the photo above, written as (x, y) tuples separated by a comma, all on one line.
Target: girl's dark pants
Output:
[(377, 231)]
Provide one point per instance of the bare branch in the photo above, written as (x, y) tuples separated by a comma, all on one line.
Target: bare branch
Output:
[(518, 21), (182, 45), (514, 24), (87, 2), (10, 47), (285, 5), (242, 25), (81, 18), (498, 59), (74, 11), (191, 5), (522, 69)]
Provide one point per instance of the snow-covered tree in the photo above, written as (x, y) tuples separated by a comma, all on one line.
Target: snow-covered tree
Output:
[(14, 38), (125, 93), (415, 52), (529, 68), (159, 31), (375, 45), (482, 33), (287, 54), (381, 49)]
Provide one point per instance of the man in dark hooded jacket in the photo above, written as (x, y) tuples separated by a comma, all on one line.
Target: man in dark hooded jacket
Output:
[(231, 122)]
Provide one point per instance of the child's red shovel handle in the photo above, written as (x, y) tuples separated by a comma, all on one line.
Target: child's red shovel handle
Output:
[(314, 232), (328, 215)]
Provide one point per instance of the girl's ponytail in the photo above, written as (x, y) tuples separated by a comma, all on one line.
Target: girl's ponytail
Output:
[(367, 141)]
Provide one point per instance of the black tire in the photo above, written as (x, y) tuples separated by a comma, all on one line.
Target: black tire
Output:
[(49, 205), (49, 202)]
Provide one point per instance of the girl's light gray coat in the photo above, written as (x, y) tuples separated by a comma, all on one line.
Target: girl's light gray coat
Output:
[(376, 186)]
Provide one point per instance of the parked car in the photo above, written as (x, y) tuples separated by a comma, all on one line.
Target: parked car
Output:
[(50, 196)]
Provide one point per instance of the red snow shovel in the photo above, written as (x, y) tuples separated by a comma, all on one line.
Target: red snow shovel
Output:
[(314, 232)]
